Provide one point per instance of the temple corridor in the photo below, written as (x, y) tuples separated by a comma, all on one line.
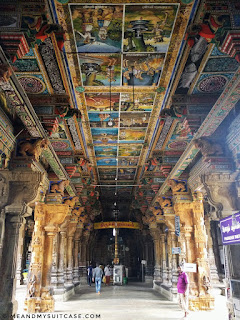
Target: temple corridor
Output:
[(136, 300), (120, 159)]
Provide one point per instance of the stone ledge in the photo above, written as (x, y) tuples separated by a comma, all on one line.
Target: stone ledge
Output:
[(167, 292)]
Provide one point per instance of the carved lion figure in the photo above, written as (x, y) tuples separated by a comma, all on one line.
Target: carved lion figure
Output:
[(33, 149), (59, 187), (71, 202), (177, 186), (156, 212), (207, 147), (165, 202)]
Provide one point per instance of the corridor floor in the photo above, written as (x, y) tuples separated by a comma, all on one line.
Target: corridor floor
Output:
[(133, 301)]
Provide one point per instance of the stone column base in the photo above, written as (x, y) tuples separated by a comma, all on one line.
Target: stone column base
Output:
[(201, 303), (149, 279), (157, 274), (42, 304)]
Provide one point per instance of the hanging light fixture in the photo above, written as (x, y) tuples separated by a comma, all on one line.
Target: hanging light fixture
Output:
[(133, 99), (110, 122)]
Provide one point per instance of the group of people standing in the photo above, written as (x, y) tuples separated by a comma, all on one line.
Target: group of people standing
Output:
[(98, 274)]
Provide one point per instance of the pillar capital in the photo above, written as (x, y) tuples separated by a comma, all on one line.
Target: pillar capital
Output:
[(221, 192), (19, 188)]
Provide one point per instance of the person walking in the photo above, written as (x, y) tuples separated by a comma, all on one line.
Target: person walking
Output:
[(97, 276), (183, 290), (89, 274), (107, 273)]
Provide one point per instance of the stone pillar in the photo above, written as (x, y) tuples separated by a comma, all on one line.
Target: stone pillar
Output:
[(70, 235), (24, 187), (2, 230), (8, 304), (205, 301), (55, 260), (83, 257), (77, 236), (155, 233), (47, 219), (19, 276), (164, 262), (174, 263), (62, 260), (211, 258)]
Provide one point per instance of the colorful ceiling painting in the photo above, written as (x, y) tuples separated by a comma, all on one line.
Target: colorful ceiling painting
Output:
[(121, 99)]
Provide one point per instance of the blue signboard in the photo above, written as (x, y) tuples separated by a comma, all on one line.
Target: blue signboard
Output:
[(177, 226), (230, 229)]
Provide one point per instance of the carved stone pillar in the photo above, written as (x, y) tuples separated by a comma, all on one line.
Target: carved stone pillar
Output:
[(83, 257), (55, 260), (174, 263), (155, 233), (77, 236), (211, 258), (8, 304), (19, 276), (2, 231), (24, 187), (205, 301), (164, 262), (47, 219), (70, 235)]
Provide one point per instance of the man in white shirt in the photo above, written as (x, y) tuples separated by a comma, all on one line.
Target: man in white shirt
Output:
[(107, 273)]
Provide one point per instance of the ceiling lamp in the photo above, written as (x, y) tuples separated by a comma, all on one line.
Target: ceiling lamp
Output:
[(110, 122)]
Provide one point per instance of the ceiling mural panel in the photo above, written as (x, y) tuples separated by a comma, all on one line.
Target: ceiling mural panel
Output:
[(100, 69), (97, 102)]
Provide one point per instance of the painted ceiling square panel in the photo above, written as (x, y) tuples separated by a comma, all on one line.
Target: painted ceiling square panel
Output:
[(106, 151), (98, 28), (129, 150), (132, 134), (100, 69), (102, 135), (102, 119), (63, 145), (124, 171), (101, 101), (134, 119), (128, 161), (106, 161), (142, 69), (209, 83), (106, 172), (221, 65), (142, 101), (148, 28), (26, 65), (33, 84)]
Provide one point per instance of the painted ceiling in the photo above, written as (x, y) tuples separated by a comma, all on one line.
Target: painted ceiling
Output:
[(144, 79)]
